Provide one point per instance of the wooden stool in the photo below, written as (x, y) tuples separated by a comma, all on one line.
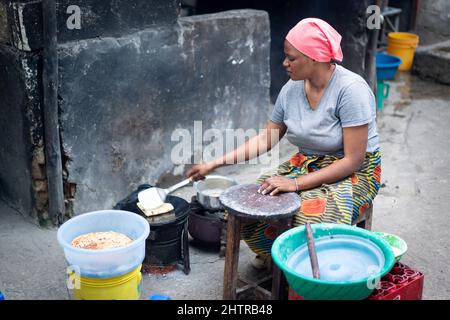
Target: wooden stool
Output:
[(365, 219), (243, 203)]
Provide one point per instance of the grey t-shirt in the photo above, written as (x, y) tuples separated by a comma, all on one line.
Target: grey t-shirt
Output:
[(347, 101)]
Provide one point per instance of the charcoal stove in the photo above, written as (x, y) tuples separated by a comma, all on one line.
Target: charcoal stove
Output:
[(167, 245), (207, 226)]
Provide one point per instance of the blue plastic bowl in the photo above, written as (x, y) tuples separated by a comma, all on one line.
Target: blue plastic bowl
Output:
[(387, 65)]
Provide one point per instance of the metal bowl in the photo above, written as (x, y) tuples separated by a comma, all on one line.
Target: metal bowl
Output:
[(209, 190)]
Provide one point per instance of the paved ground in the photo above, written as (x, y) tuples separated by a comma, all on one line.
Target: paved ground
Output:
[(413, 203)]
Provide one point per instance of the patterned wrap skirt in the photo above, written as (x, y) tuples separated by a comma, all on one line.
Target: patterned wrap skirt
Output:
[(340, 202)]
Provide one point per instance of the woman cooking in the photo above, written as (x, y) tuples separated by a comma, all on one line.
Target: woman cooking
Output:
[(328, 112)]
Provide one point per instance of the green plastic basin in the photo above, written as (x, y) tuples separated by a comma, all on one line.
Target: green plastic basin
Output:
[(310, 288)]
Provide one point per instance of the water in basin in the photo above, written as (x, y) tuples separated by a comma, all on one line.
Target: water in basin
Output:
[(340, 258), (216, 192)]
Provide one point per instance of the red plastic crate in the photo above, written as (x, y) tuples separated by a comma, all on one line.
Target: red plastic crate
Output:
[(401, 283)]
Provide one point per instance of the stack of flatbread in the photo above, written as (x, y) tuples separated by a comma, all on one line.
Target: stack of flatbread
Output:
[(101, 240)]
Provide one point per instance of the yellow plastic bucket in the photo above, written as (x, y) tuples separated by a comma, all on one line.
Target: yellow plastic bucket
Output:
[(125, 287), (403, 45)]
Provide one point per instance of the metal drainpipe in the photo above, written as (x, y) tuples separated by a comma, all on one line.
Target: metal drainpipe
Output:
[(51, 124)]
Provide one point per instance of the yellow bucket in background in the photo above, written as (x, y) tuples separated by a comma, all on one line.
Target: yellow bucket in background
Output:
[(403, 45), (125, 287)]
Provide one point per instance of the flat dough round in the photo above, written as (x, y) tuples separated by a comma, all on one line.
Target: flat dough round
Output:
[(164, 208), (101, 240)]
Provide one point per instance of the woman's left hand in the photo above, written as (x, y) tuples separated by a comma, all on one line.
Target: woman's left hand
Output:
[(274, 185)]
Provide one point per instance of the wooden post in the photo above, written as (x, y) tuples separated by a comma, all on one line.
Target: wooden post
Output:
[(185, 249), (53, 160), (279, 283), (231, 257)]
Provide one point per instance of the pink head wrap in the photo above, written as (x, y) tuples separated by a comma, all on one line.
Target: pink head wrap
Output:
[(316, 39)]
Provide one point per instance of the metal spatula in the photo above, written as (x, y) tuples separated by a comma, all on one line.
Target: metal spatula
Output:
[(154, 197)]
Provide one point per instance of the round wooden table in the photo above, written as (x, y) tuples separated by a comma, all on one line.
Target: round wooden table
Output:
[(244, 203)]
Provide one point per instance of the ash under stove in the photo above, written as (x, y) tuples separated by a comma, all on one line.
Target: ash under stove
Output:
[(167, 245), (207, 226)]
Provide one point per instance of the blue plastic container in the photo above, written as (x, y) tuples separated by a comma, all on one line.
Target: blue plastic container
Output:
[(159, 297), (2, 297), (105, 263), (387, 65)]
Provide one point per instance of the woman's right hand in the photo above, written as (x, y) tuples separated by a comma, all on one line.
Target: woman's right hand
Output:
[(199, 171)]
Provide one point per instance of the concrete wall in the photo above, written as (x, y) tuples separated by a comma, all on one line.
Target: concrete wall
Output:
[(108, 18), (15, 176), (433, 21), (121, 94), (121, 98), (4, 31), (22, 172), (433, 62)]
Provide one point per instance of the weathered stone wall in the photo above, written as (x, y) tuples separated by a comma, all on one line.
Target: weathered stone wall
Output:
[(23, 183), (121, 94), (97, 19), (123, 97), (433, 24), (433, 62), (22, 172)]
